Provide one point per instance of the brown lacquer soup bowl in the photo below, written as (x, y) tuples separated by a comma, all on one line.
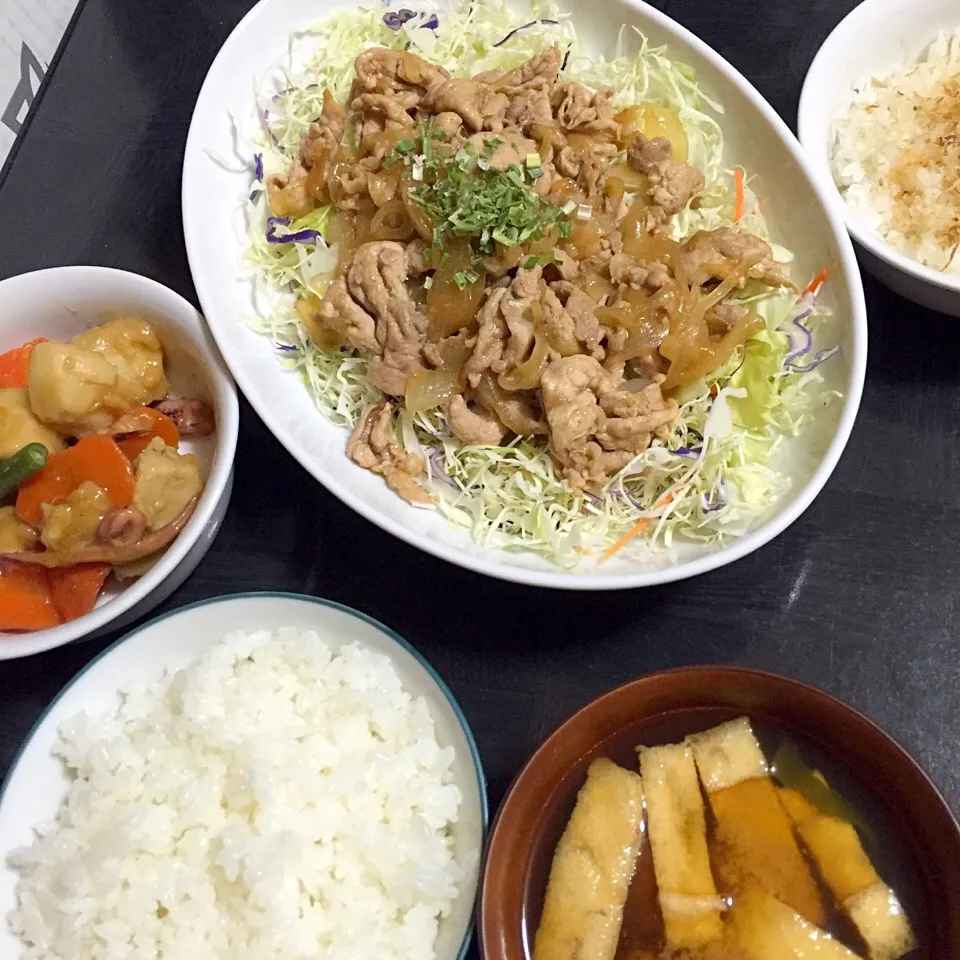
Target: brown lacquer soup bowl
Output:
[(905, 824)]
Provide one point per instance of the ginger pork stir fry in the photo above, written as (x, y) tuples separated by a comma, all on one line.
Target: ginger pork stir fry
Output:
[(91, 478), (506, 253)]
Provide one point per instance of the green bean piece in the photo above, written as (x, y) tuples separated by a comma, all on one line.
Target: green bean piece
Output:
[(21, 466)]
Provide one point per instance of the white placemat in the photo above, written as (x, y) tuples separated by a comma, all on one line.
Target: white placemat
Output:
[(29, 33)]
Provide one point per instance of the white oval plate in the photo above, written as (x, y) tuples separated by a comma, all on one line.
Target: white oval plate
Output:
[(756, 137), (36, 784)]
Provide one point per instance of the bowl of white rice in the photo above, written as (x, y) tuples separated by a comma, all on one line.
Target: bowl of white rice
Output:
[(878, 117), (258, 776)]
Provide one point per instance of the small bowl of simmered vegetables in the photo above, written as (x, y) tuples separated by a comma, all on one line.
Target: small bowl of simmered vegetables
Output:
[(118, 426)]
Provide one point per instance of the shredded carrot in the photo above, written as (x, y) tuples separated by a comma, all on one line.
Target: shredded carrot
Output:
[(635, 531), (818, 281), (738, 184)]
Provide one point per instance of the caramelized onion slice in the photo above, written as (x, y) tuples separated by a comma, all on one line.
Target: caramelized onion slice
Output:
[(640, 244), (509, 410), (421, 220), (308, 310), (655, 120), (383, 186), (427, 389), (451, 307), (391, 222), (632, 180), (526, 376), (688, 344), (454, 352)]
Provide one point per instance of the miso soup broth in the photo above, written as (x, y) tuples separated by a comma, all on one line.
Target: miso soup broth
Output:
[(780, 862)]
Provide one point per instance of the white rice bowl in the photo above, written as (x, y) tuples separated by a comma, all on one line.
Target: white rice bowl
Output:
[(278, 798), (893, 164)]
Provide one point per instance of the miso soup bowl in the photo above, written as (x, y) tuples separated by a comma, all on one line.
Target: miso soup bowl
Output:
[(865, 764)]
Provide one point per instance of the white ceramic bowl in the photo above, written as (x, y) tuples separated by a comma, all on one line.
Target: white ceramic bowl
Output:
[(216, 178), (872, 40), (36, 784), (58, 304)]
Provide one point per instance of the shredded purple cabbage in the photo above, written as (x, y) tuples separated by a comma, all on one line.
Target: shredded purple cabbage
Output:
[(395, 19), (566, 60), (820, 357), (273, 136), (800, 338), (439, 469), (298, 236), (286, 347), (714, 502), (286, 90), (258, 166), (693, 452), (625, 497), (526, 26)]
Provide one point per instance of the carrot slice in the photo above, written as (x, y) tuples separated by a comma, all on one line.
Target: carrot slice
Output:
[(738, 186), (95, 458), (817, 282), (162, 426), (15, 364), (635, 530), (75, 589), (26, 602)]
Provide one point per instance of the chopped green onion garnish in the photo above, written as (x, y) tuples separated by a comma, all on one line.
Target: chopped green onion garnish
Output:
[(427, 283), (533, 161), (565, 229), (530, 263), (569, 207)]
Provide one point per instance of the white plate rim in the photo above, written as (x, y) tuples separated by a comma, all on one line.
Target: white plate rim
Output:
[(318, 601), (754, 539)]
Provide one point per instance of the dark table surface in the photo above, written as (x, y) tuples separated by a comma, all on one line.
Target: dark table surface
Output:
[(860, 596)]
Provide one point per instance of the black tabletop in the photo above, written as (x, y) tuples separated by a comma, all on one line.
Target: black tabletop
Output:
[(859, 596)]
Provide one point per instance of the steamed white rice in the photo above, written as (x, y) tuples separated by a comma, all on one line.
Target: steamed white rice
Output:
[(896, 156), (273, 800)]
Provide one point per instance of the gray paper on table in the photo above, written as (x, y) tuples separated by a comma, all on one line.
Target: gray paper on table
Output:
[(30, 31)]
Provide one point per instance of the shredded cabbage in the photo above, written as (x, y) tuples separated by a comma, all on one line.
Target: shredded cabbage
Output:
[(712, 479)]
